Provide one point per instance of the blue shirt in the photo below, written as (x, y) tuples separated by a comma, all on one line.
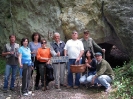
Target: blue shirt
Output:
[(26, 53), (34, 47)]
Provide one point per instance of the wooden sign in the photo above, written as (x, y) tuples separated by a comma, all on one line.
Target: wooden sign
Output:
[(59, 59)]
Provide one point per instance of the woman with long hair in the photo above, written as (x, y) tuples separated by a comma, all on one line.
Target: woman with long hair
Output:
[(90, 63), (34, 45)]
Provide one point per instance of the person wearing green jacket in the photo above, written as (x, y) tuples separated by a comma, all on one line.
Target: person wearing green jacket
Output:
[(104, 73)]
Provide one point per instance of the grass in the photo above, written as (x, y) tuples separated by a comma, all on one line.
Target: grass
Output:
[(2, 65), (123, 83)]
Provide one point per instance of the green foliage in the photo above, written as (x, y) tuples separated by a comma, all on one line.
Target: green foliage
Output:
[(2, 65), (123, 83)]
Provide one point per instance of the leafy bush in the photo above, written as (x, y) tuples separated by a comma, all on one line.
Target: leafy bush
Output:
[(2, 65), (123, 83)]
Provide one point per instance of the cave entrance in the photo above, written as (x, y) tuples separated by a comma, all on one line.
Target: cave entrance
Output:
[(113, 55)]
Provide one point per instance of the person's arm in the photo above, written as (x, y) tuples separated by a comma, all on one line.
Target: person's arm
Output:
[(19, 60), (81, 52), (65, 52), (80, 55), (97, 47), (5, 52), (93, 65)]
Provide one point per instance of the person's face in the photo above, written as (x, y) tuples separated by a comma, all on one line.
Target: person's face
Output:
[(86, 35), (98, 57), (74, 35), (36, 37), (25, 43), (43, 44), (88, 54), (12, 39), (57, 38)]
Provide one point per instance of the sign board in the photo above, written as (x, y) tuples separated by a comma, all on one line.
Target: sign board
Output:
[(59, 59)]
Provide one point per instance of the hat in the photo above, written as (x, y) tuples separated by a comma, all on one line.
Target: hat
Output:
[(86, 31), (98, 54)]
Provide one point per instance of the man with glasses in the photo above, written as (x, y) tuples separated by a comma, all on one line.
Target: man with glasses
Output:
[(90, 44), (74, 49)]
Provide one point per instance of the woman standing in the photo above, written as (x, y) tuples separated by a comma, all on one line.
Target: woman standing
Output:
[(90, 62), (34, 45), (24, 59), (43, 57)]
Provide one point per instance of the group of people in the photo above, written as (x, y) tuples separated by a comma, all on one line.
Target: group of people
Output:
[(36, 55)]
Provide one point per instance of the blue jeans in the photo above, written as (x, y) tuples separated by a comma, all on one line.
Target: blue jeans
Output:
[(7, 74), (70, 74), (105, 80)]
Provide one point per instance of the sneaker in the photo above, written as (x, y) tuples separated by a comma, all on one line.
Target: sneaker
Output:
[(75, 87), (29, 92), (36, 88), (108, 89), (25, 94), (68, 87), (12, 89)]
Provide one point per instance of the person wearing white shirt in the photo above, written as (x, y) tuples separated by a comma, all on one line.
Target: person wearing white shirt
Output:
[(74, 50)]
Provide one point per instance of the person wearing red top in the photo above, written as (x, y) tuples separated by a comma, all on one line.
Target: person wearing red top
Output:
[(43, 57)]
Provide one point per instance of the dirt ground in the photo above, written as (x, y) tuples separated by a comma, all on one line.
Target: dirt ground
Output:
[(80, 93)]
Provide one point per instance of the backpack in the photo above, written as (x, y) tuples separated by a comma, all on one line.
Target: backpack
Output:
[(49, 72)]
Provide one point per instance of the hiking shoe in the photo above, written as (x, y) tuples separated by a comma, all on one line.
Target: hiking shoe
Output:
[(36, 88), (68, 87), (12, 89), (64, 85), (76, 87), (5, 90), (108, 89), (25, 94), (56, 86)]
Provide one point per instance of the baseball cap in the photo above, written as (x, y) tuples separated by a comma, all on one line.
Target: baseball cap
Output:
[(98, 54)]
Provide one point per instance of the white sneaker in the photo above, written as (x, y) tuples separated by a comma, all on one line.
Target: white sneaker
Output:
[(25, 94), (29, 92)]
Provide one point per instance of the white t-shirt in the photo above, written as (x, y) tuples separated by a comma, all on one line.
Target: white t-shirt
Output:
[(73, 48)]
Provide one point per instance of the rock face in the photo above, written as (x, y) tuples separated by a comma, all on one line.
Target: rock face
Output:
[(108, 21)]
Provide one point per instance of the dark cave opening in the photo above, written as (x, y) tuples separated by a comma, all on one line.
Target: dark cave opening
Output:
[(113, 55)]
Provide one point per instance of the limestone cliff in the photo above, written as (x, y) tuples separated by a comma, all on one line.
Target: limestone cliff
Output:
[(108, 21)]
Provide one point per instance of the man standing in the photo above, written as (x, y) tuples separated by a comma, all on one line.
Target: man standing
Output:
[(74, 49), (90, 44), (11, 53), (59, 68), (104, 73)]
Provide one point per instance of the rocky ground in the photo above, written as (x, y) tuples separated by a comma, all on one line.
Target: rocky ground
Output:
[(64, 93)]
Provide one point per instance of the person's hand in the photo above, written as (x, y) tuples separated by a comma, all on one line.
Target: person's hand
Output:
[(103, 50), (48, 62), (77, 60), (34, 52), (88, 65), (20, 65), (86, 60), (12, 52), (58, 54)]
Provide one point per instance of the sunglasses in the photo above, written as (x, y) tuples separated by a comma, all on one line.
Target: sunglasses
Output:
[(43, 42), (75, 33)]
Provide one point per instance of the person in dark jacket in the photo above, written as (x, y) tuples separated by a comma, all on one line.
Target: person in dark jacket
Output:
[(59, 68), (90, 62)]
